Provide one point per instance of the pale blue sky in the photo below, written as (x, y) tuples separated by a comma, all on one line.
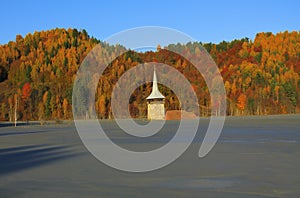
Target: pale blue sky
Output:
[(207, 21)]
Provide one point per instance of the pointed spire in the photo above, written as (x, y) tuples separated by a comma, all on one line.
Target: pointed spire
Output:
[(155, 94)]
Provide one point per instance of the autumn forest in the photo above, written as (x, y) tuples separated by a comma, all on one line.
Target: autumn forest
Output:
[(37, 71)]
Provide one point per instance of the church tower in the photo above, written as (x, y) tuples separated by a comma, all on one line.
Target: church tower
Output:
[(156, 102)]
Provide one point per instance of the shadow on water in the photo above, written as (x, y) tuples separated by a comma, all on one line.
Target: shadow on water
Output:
[(20, 123), (10, 133), (19, 158)]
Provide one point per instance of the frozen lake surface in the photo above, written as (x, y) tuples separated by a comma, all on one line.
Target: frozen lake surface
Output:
[(254, 157)]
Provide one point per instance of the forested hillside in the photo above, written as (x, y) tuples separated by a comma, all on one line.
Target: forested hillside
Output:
[(37, 73)]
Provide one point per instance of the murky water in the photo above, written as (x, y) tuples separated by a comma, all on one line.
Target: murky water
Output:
[(254, 157)]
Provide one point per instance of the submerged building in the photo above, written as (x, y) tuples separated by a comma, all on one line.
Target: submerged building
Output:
[(155, 102)]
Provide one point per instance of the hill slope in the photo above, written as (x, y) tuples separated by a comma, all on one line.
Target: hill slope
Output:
[(37, 72)]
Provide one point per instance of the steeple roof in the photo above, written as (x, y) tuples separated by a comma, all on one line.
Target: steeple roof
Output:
[(155, 94)]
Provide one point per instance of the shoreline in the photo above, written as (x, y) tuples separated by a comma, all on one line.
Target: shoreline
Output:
[(70, 122)]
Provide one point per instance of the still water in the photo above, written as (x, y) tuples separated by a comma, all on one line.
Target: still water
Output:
[(254, 157)]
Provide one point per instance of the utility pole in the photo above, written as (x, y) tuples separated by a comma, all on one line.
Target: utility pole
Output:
[(16, 107)]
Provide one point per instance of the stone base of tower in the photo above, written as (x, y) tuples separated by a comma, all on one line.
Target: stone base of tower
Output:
[(156, 110)]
